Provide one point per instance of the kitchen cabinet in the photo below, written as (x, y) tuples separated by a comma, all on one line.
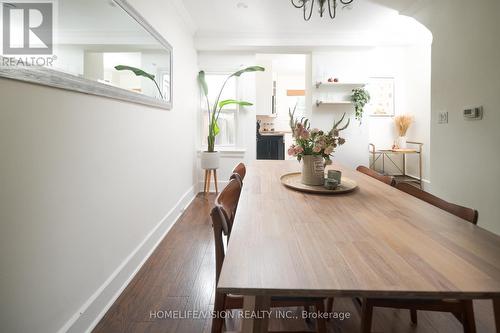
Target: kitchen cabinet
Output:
[(270, 147)]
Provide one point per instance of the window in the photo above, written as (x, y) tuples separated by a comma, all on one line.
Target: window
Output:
[(228, 116)]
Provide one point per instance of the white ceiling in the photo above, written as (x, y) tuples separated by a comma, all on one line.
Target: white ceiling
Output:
[(365, 22), (280, 16)]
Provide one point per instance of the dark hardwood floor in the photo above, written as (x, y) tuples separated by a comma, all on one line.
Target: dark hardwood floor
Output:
[(180, 275)]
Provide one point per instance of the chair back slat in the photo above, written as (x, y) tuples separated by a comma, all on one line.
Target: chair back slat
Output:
[(237, 177), (241, 170), (384, 179), (465, 213), (227, 201), (222, 220)]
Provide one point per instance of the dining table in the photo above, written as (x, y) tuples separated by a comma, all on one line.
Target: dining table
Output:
[(374, 242)]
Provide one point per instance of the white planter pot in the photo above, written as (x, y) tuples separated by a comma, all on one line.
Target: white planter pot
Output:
[(210, 160), (313, 170), (401, 142)]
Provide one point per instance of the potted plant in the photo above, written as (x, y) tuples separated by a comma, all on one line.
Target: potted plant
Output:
[(403, 123), (314, 147), (360, 97), (210, 158)]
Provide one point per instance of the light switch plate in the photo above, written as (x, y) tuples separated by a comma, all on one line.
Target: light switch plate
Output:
[(443, 117)]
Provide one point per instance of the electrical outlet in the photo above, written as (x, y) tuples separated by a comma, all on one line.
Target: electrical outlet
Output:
[(443, 117)]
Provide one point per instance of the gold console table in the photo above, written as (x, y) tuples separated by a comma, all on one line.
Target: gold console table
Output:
[(387, 153)]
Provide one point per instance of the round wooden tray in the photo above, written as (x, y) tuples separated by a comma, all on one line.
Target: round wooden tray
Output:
[(292, 180)]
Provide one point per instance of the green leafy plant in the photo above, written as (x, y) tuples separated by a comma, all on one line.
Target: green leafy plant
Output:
[(140, 72), (215, 109), (360, 97)]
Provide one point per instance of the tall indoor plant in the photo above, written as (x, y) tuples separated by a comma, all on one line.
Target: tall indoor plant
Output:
[(210, 158), (314, 147)]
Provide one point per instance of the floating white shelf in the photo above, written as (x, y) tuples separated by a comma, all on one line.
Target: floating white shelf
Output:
[(318, 103), (340, 84)]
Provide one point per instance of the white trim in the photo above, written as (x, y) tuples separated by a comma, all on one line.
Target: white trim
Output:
[(299, 42), (225, 149), (185, 16), (415, 7), (425, 181), (91, 312)]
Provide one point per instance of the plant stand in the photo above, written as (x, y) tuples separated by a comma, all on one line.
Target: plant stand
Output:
[(208, 176)]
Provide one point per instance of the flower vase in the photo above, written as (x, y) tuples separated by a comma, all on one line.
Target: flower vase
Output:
[(313, 170), (401, 142)]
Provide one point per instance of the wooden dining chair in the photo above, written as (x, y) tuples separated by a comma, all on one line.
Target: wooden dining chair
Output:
[(389, 180), (239, 170), (465, 213), (463, 310), (221, 215), (227, 201)]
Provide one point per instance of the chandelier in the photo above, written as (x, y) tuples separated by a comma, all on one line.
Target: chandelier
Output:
[(324, 5)]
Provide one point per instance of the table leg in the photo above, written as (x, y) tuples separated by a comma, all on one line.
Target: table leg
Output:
[(496, 311), (256, 314)]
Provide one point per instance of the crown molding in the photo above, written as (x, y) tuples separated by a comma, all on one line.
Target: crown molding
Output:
[(185, 16), (217, 41), (415, 7)]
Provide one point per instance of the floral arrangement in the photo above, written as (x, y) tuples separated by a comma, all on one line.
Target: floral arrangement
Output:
[(360, 97), (403, 123), (314, 141)]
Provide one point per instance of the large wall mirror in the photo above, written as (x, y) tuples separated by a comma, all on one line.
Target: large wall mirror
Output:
[(98, 48)]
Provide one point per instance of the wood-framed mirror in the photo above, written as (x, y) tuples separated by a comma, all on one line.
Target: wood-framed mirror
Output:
[(90, 38)]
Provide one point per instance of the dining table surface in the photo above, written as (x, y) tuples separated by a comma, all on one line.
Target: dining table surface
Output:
[(376, 241)]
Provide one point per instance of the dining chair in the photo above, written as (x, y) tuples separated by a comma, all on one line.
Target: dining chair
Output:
[(465, 213), (239, 170), (463, 310), (221, 215), (227, 201), (389, 180)]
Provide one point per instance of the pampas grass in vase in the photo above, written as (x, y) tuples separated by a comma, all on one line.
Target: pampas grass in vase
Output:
[(403, 123)]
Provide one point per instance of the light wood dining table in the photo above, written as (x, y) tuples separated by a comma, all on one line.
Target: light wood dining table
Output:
[(374, 242)]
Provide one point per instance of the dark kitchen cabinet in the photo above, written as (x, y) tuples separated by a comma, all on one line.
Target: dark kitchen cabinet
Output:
[(270, 147)]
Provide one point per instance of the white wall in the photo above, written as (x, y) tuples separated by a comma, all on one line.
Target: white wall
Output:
[(466, 72), (85, 183), (409, 65), (411, 68)]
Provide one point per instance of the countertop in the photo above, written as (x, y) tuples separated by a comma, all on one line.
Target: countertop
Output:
[(274, 133)]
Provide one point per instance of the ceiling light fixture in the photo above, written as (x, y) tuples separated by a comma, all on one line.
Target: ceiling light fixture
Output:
[(331, 5)]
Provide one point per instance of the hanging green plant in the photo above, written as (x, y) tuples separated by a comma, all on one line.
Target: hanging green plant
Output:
[(360, 97)]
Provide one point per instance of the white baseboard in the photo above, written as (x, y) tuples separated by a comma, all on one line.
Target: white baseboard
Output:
[(425, 181), (99, 303)]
